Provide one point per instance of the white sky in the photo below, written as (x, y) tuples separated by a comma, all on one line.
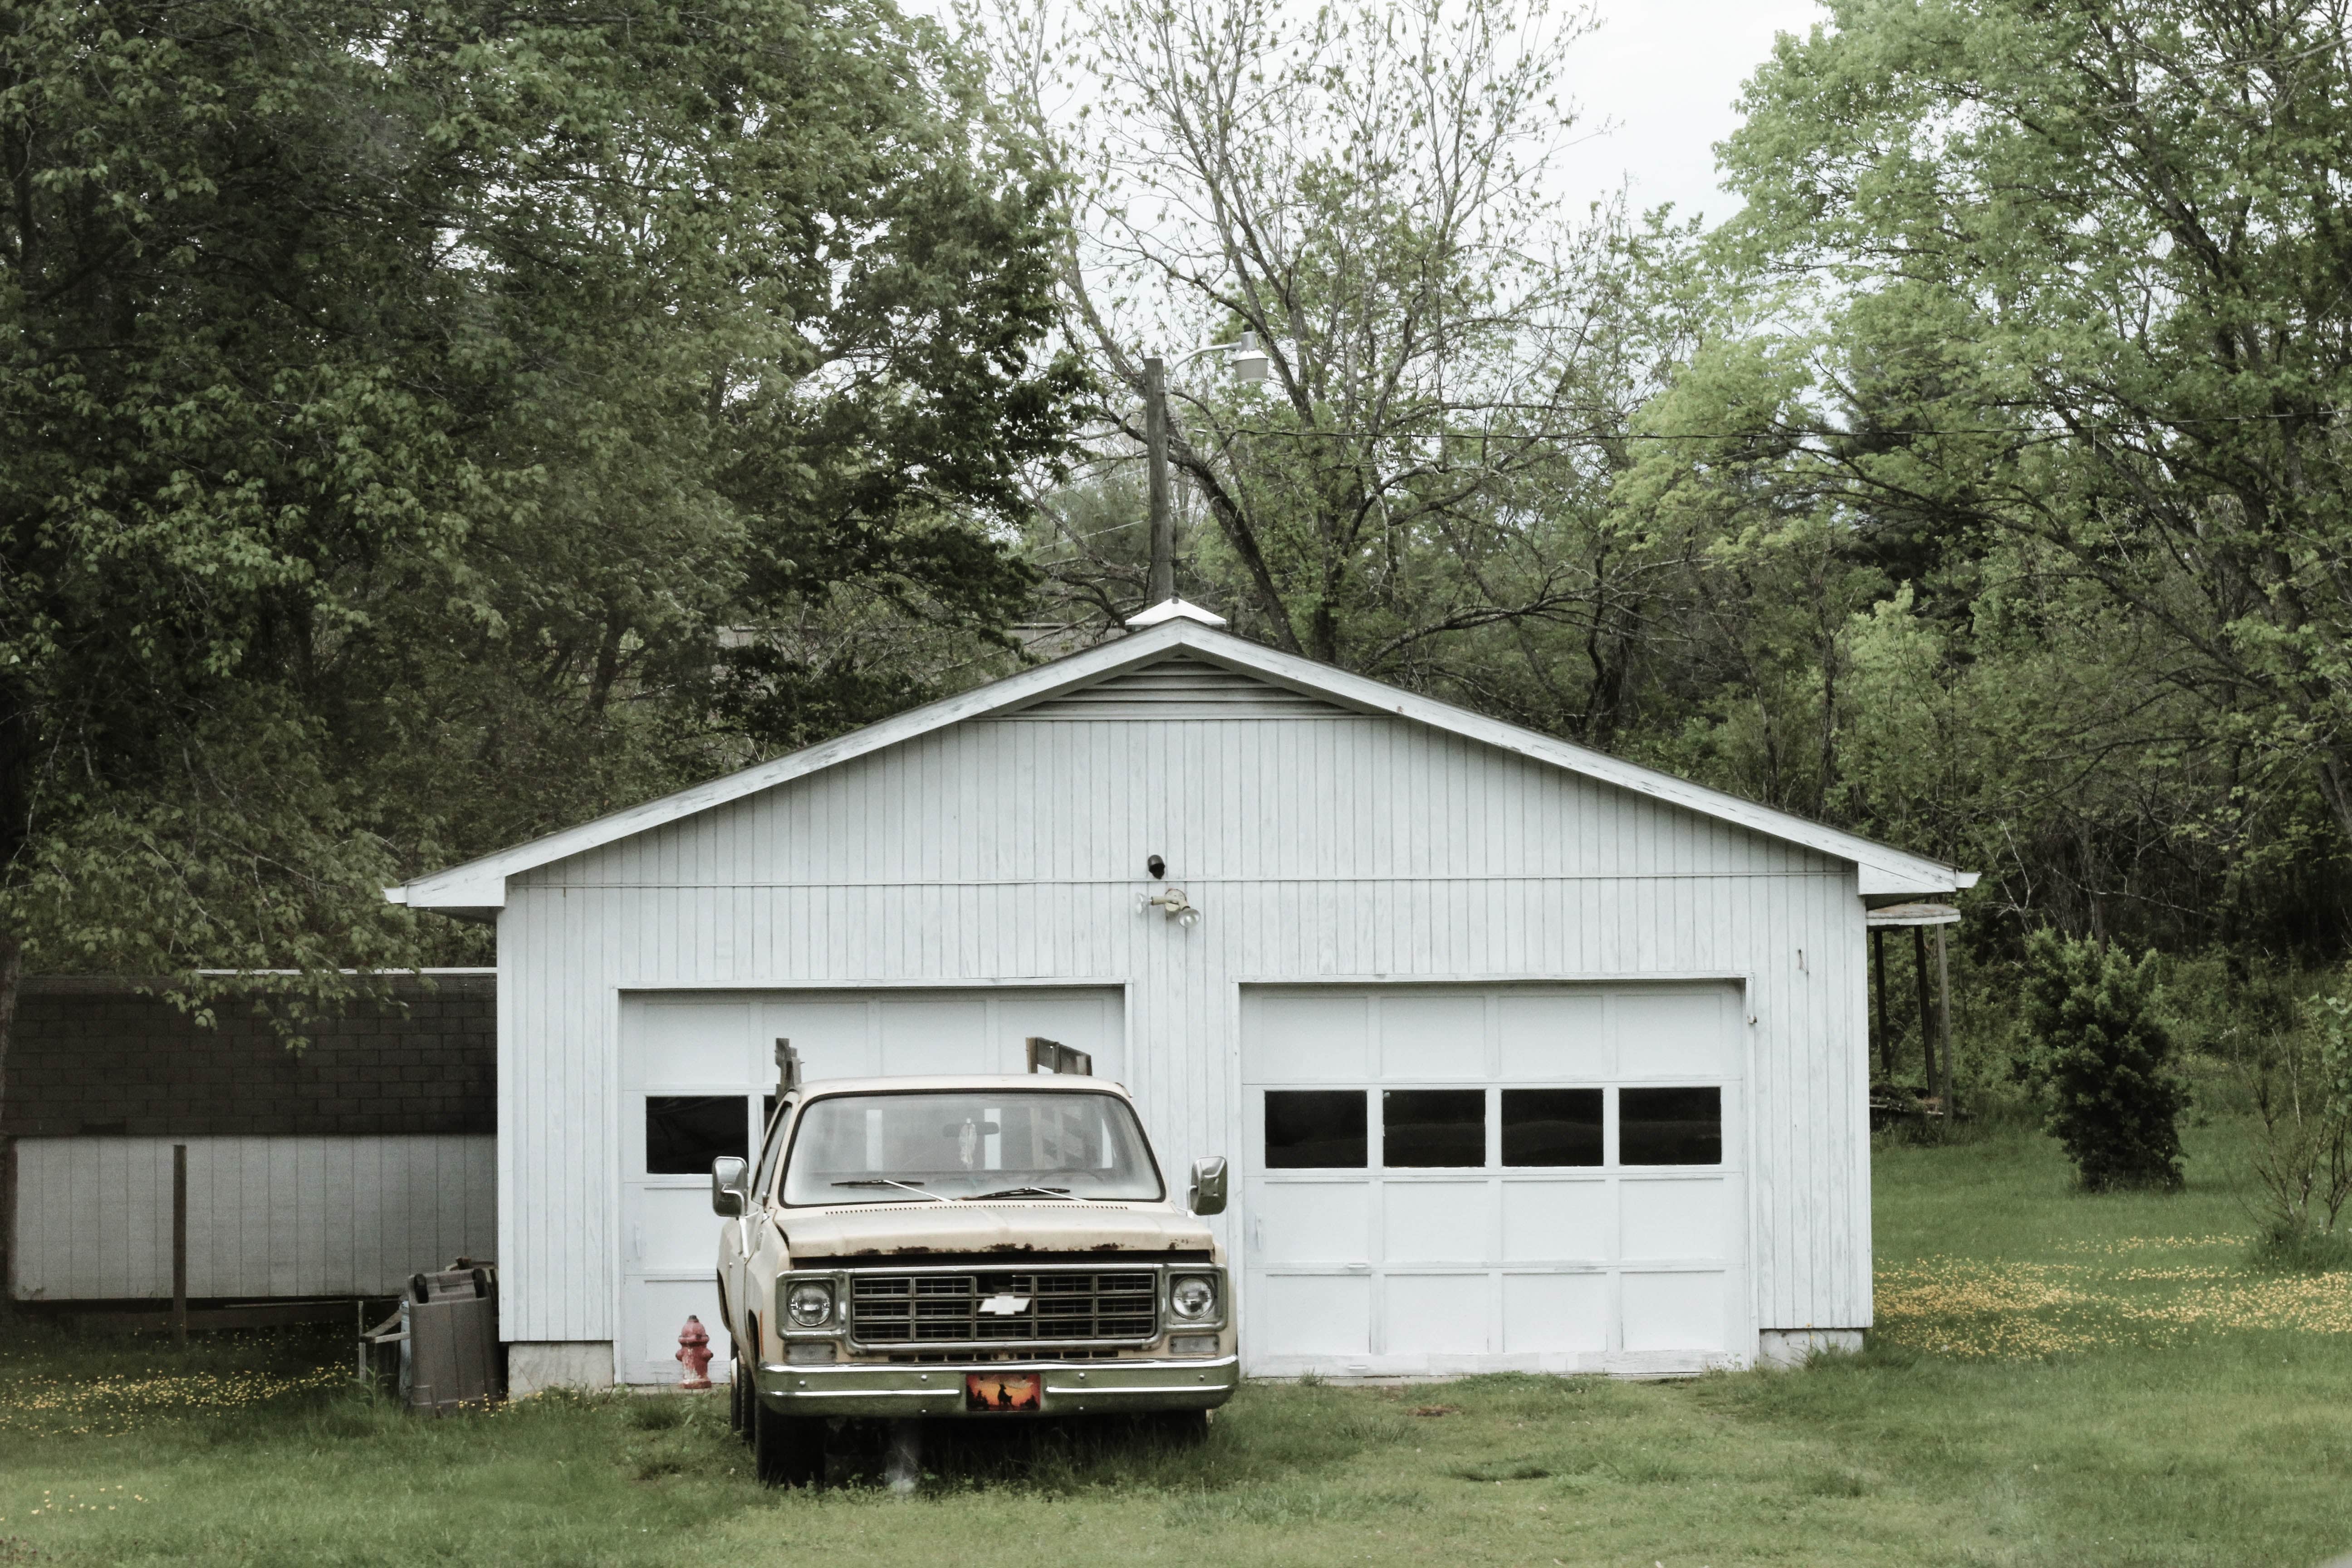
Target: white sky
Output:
[(1667, 74)]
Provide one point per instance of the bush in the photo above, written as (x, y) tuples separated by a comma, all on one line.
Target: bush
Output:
[(2098, 1047), (2301, 1084)]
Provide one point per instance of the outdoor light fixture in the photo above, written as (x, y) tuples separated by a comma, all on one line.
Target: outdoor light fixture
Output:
[(1172, 903), (1248, 361)]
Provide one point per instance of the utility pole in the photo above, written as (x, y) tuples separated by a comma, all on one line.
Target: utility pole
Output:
[(1161, 585)]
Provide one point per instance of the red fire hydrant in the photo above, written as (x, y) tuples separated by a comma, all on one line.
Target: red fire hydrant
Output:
[(694, 1352)]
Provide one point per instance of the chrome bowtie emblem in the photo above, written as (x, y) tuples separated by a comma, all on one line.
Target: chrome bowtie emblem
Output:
[(1005, 1305)]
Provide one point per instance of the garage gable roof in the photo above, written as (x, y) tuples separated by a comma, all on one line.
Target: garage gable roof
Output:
[(479, 886)]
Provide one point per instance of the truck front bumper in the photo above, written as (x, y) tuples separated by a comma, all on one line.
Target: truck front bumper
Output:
[(1071, 1388)]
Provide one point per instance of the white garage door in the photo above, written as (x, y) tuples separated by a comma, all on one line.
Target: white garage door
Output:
[(1443, 1180), (697, 1070)]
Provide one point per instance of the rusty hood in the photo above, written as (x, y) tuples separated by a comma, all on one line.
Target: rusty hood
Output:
[(1010, 1229)]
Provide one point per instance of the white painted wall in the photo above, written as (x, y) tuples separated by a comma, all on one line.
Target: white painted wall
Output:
[(1328, 846), (267, 1217)]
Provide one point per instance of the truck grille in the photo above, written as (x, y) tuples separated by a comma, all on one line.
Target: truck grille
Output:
[(917, 1309)]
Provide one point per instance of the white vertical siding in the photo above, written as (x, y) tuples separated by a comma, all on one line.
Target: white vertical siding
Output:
[(1341, 847), (266, 1215)]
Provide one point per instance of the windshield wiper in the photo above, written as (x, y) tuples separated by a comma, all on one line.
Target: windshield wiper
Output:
[(887, 1182), (1021, 1192)]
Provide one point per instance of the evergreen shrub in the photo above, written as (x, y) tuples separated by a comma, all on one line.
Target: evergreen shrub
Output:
[(2100, 1050)]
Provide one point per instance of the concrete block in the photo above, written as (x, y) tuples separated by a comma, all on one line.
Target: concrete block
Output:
[(533, 1367), (1795, 1347)]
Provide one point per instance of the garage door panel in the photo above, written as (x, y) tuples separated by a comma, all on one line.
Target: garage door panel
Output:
[(1674, 1312), (691, 1043), (1673, 1219), (1555, 1313), (722, 1045), (676, 1230), (1557, 1222), (1673, 1034), (1313, 1314), (1311, 1222), (835, 1039), (1562, 1039), (1311, 1039), (937, 1036), (1433, 1038), (1436, 1222), (1434, 1314), (1601, 1225)]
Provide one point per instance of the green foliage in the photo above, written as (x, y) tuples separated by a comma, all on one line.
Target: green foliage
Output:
[(2300, 1084), (2101, 1051), (428, 427)]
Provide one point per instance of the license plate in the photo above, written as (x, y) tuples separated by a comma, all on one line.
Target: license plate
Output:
[(1005, 1394)]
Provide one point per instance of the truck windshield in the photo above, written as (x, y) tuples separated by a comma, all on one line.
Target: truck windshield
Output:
[(958, 1145)]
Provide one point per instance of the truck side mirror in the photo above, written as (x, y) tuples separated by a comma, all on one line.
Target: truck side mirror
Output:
[(731, 1192), (1208, 1194)]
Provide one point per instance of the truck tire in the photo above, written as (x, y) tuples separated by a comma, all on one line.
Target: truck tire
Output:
[(786, 1450), (739, 1386)]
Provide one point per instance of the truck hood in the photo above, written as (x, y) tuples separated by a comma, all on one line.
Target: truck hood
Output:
[(1012, 1228)]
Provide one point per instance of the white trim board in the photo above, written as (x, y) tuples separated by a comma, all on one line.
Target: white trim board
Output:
[(479, 886)]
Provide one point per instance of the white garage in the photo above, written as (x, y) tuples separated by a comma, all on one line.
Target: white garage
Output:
[(1525, 1058)]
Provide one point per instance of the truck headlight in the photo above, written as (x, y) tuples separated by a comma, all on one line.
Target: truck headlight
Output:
[(809, 1304), (1194, 1296)]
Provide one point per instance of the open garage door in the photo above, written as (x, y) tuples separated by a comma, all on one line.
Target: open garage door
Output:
[(697, 1069), (1453, 1180)]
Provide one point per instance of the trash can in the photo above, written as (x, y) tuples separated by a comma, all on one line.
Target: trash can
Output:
[(446, 1328)]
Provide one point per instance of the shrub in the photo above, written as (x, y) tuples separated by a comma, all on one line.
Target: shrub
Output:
[(2098, 1047), (2301, 1084)]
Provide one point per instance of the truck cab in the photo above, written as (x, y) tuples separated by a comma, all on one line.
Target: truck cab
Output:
[(969, 1248)]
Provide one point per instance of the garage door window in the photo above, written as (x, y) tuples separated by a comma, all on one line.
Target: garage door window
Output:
[(1422, 1126), (684, 1132), (1315, 1129), (1551, 1126), (1670, 1127)]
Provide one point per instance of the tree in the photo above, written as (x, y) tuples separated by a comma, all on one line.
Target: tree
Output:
[(2100, 1049), (1417, 491), (2084, 355), (425, 427)]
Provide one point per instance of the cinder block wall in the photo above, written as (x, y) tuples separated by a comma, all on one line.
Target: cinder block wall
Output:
[(90, 1057)]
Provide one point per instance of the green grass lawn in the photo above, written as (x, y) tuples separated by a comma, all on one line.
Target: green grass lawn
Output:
[(2059, 1379)]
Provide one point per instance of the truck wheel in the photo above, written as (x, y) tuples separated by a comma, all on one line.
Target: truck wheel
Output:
[(786, 1450), (737, 1384)]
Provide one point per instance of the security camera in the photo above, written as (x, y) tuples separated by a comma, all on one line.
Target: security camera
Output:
[(1156, 865)]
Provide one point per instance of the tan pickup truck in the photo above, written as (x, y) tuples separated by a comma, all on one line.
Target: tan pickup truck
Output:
[(978, 1248)]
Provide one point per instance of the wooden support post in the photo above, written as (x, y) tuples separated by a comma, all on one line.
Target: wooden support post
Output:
[(180, 1244), (1927, 1023), (1878, 973), (1944, 1028), (1161, 584)]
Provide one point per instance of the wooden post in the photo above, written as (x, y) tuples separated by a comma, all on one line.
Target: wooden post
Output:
[(1927, 1023), (180, 1244), (1878, 975), (1161, 586), (1944, 1027)]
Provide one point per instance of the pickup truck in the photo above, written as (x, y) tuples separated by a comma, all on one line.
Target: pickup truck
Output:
[(978, 1248)]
